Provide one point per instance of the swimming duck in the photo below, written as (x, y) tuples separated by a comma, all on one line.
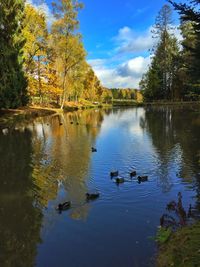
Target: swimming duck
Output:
[(119, 180), (133, 173), (114, 173), (71, 122), (64, 206), (92, 196), (142, 179), (94, 149)]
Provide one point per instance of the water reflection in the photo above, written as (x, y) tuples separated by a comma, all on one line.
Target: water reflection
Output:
[(62, 151), (20, 217), (175, 134), (49, 160)]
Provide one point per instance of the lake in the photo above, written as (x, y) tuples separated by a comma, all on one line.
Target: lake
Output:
[(48, 161)]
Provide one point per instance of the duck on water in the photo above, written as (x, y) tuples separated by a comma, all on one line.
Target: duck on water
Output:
[(63, 206)]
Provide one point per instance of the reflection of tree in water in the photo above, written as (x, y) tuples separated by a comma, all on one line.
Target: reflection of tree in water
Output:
[(62, 154), (73, 152), (20, 218), (175, 134)]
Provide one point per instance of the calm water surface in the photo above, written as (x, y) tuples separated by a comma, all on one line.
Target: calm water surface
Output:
[(43, 163)]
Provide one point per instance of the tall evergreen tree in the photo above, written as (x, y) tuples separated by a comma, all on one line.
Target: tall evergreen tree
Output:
[(158, 83), (190, 26), (13, 83)]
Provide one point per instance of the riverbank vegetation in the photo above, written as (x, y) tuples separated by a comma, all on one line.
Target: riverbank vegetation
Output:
[(178, 236), (173, 74), (182, 249)]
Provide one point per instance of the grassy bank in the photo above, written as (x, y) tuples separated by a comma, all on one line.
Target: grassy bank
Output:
[(84, 104), (125, 103), (182, 249)]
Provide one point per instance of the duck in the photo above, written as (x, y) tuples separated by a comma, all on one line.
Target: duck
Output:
[(64, 206), (92, 196), (94, 149), (71, 122), (119, 180), (114, 173), (60, 123), (143, 178), (133, 173)]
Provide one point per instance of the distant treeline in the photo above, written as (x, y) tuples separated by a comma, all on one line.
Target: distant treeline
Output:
[(174, 72), (124, 93)]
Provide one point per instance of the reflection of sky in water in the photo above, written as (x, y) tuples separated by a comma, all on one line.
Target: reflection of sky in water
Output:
[(63, 168)]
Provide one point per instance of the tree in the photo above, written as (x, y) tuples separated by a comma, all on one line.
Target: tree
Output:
[(190, 26), (35, 48), (158, 83), (66, 44), (13, 82)]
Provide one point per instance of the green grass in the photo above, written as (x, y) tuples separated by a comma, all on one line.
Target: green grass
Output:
[(182, 249), (163, 235), (124, 102), (83, 104)]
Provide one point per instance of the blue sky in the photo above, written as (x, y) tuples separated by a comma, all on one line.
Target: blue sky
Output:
[(117, 38)]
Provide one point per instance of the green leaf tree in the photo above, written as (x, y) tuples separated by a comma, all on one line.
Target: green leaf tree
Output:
[(13, 82)]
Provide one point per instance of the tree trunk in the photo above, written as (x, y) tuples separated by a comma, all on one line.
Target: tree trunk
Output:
[(39, 81), (64, 91)]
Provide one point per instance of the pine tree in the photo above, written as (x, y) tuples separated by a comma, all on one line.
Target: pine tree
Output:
[(158, 83), (190, 26), (13, 83)]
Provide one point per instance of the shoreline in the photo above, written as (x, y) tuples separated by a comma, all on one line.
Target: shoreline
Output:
[(9, 117)]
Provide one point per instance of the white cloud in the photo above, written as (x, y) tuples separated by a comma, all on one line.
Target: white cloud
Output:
[(129, 47), (96, 62), (125, 75), (134, 67), (45, 9), (130, 41)]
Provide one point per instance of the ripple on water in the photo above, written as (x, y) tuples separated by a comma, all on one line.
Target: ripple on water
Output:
[(121, 219)]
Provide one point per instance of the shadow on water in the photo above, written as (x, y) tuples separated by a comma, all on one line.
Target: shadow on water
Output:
[(40, 162), (20, 217), (175, 133)]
